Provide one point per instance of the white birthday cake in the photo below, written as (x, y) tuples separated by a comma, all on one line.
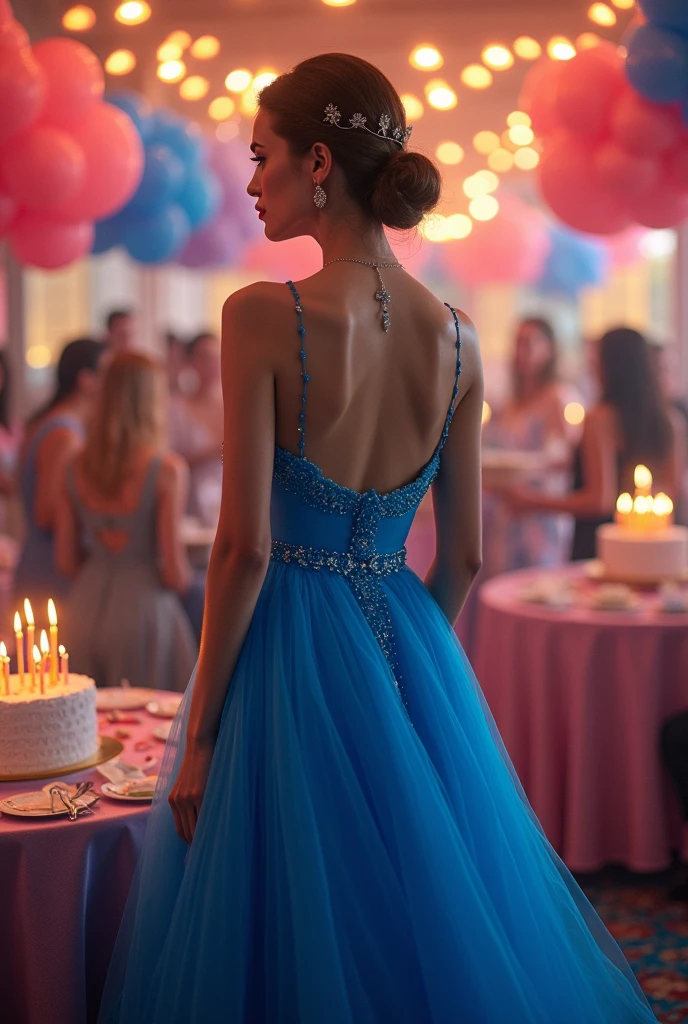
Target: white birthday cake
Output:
[(44, 732)]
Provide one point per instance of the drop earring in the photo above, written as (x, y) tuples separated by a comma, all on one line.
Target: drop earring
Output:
[(319, 196)]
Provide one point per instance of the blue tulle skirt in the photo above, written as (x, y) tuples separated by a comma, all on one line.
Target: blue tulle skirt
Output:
[(350, 866)]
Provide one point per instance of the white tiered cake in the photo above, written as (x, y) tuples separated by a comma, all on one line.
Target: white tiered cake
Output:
[(643, 546), (43, 732)]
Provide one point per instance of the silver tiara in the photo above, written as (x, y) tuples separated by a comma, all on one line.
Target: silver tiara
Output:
[(385, 130)]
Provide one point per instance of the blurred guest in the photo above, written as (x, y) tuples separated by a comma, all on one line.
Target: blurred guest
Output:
[(630, 424), (664, 362), (196, 428), (120, 331), (176, 361), (53, 435), (10, 436), (531, 422), (118, 523), (674, 747)]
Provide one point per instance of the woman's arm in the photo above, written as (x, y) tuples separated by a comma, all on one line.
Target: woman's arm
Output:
[(241, 552), (60, 447), (173, 486), (456, 491), (69, 555)]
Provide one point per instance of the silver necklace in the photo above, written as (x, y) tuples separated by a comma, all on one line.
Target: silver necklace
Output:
[(382, 296)]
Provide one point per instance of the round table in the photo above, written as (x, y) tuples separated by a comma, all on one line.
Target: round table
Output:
[(579, 696), (64, 886)]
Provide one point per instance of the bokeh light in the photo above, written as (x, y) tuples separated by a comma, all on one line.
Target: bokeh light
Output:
[(263, 78), (179, 38), (527, 48), (339, 3), (475, 76), (501, 160), (38, 356), (458, 226), (78, 19), (435, 228), (133, 12), (521, 135), (248, 103), (483, 208), (412, 105), (587, 41), (506, 141), (440, 95), (526, 159), (561, 48), (497, 57), (168, 51), (426, 58), (487, 413), (195, 87), (205, 47), (221, 108), (238, 80), (518, 117), (226, 131), (120, 62), (624, 5), (574, 413), (480, 184), (601, 14), (171, 71), (485, 142), (450, 153)]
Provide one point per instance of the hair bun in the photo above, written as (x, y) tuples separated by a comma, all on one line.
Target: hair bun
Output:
[(406, 189)]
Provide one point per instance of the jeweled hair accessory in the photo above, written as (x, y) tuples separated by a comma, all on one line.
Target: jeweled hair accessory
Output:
[(385, 131)]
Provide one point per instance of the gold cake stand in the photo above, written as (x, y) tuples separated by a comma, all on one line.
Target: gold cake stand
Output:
[(107, 749)]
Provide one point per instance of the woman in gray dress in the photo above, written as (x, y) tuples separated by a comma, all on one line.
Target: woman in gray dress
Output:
[(118, 537)]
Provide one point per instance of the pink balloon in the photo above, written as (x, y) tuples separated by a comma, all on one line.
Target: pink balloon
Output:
[(8, 211), (664, 207), (13, 36), (41, 241), (75, 79), (628, 175), (677, 165), (114, 164), (43, 168), (22, 91), (587, 90), (624, 248), (293, 259), (574, 192), (643, 128), (509, 249), (539, 93)]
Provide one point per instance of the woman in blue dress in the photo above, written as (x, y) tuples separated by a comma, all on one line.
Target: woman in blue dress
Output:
[(338, 836)]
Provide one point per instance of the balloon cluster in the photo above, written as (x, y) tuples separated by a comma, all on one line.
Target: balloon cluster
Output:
[(611, 157), (66, 157), (177, 194), (574, 262), (657, 57)]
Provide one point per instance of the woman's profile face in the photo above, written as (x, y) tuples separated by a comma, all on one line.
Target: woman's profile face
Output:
[(533, 349), (281, 185)]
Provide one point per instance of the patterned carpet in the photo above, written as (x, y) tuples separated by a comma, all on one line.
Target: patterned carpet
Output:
[(652, 932)]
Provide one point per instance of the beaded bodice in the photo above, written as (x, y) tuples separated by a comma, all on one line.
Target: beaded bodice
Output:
[(319, 524)]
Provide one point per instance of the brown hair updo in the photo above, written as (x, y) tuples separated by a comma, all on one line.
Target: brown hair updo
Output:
[(390, 184)]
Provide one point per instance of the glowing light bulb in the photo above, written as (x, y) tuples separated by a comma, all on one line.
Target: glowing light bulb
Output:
[(642, 478), (120, 62), (527, 48), (78, 19), (526, 159), (412, 105), (475, 76), (171, 71), (587, 41), (574, 413), (483, 208), (624, 504), (221, 108), (426, 58), (195, 87), (498, 57), (487, 413), (501, 160), (440, 95), (521, 135), (560, 48), (601, 14), (205, 47), (485, 142), (238, 80), (458, 226), (133, 12), (449, 153), (518, 117)]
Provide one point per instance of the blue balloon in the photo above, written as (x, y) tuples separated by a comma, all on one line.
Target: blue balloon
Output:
[(200, 197), (573, 263), (182, 136), (108, 234), (159, 238), (657, 64), (671, 14), (162, 181), (137, 107)]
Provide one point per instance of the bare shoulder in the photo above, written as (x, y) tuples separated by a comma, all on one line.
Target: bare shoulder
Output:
[(258, 312), (471, 366)]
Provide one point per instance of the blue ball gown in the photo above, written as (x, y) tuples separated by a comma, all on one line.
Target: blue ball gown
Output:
[(365, 853)]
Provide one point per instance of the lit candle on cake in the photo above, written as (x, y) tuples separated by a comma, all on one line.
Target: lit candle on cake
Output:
[(643, 513), (5, 663), (18, 632), (38, 667), (64, 666), (52, 619), (30, 639), (45, 658)]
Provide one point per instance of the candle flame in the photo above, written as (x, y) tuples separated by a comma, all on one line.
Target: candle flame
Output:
[(28, 612), (17, 623), (3, 649), (52, 612), (45, 643), (642, 504), (624, 503), (62, 650), (664, 506), (642, 477), (36, 654)]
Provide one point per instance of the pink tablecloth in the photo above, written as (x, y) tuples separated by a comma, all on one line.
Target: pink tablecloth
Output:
[(579, 697), (64, 885)]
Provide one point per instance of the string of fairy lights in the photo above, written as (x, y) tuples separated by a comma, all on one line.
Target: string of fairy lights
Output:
[(512, 148)]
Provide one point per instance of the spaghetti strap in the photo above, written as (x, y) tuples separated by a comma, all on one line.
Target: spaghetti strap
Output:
[(455, 389), (305, 377)]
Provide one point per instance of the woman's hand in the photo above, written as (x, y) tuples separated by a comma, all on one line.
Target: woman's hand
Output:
[(187, 793)]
